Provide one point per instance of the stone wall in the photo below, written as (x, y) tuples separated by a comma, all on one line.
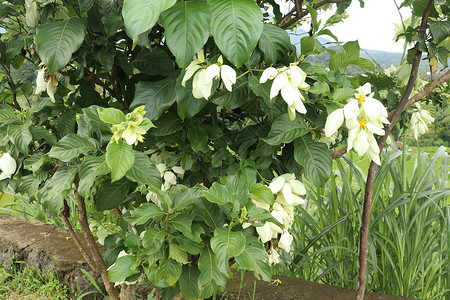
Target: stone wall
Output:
[(45, 247)]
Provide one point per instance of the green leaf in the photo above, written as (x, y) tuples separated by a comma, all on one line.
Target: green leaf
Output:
[(315, 158), (82, 5), (177, 254), (40, 132), (284, 130), (198, 137), (210, 276), (111, 115), (234, 99), (55, 189), (227, 244), (34, 162), (262, 192), (187, 105), (143, 213), (310, 45), (189, 245), (218, 193), (70, 147), (20, 136), (189, 282), (140, 16), (210, 213), (365, 63), (155, 62), (144, 171), (124, 267), (274, 43), (157, 96), (343, 94), (91, 168), (167, 125), (183, 223), (65, 123), (262, 215), (349, 56), (236, 26), (185, 197), (112, 194), (254, 257), (153, 240), (169, 270), (187, 29), (120, 158), (55, 42), (440, 30)]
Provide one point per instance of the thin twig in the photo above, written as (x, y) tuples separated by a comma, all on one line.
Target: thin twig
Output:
[(364, 234)]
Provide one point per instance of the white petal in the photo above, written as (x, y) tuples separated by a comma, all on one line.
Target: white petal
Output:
[(277, 184), (365, 89), (351, 109), (170, 177), (374, 129), (297, 76), (290, 94), (334, 121), (297, 187), (212, 72), (8, 164), (279, 82), (264, 232), (179, 170), (298, 104), (268, 73), (285, 241), (190, 70), (41, 85), (261, 204), (373, 145), (161, 168), (228, 75), (287, 194), (360, 144), (374, 157)]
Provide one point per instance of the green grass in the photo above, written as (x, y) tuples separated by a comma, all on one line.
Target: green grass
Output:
[(409, 237), (25, 283)]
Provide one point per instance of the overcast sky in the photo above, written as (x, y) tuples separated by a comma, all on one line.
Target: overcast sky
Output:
[(373, 25)]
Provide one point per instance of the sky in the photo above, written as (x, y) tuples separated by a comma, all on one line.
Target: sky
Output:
[(373, 25)]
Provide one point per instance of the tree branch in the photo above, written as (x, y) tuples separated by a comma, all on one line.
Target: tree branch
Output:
[(94, 79), (65, 216), (286, 21), (364, 234), (82, 216)]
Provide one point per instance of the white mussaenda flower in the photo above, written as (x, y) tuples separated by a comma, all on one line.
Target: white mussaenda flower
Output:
[(8, 166), (285, 241), (204, 76), (420, 119), (273, 256), (287, 81), (265, 232), (364, 116), (46, 83)]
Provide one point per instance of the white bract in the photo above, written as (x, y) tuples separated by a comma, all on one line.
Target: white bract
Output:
[(364, 116), (8, 166), (288, 193), (287, 81), (205, 75), (420, 119), (46, 83)]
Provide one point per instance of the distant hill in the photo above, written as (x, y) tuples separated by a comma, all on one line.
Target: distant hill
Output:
[(384, 58)]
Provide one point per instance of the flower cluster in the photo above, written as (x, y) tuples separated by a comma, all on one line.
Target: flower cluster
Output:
[(287, 81), (133, 128), (7, 166), (364, 116), (288, 193), (169, 174), (205, 73), (420, 120)]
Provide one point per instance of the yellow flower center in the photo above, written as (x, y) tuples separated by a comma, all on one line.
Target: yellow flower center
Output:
[(362, 123), (361, 99)]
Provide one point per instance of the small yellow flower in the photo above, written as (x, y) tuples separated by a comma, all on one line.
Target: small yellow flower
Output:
[(361, 98), (362, 123), (67, 237), (277, 282)]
